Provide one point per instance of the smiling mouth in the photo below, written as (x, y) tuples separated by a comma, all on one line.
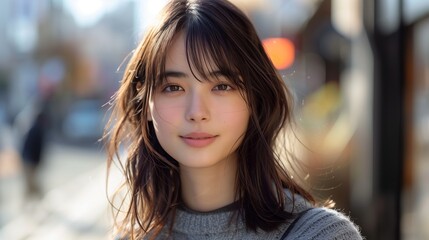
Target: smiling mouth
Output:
[(198, 136), (199, 140)]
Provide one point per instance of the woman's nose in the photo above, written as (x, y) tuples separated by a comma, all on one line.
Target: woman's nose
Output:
[(197, 109)]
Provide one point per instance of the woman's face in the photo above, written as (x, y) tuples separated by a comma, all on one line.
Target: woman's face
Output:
[(199, 123)]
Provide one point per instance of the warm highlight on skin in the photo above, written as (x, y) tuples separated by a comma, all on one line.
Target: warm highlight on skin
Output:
[(217, 37)]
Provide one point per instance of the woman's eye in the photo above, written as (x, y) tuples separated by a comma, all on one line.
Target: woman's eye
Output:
[(172, 88), (222, 87)]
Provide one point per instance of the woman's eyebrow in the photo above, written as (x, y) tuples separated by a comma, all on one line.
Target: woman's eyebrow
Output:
[(223, 73), (217, 73), (175, 74), (178, 74)]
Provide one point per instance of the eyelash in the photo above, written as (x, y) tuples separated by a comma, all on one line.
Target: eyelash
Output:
[(225, 87), (228, 87), (168, 88)]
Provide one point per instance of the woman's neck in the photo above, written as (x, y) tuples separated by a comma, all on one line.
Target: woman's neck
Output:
[(207, 189)]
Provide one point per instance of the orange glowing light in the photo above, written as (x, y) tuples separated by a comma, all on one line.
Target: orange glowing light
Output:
[(280, 50)]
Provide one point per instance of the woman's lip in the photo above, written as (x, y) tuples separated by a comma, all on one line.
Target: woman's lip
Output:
[(198, 135), (198, 140)]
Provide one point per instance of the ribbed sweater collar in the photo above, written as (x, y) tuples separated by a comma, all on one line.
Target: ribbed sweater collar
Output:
[(217, 221)]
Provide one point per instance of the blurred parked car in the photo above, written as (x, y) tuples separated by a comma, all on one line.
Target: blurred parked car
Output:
[(84, 122)]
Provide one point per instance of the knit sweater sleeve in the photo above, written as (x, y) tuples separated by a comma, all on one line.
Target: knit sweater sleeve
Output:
[(324, 223)]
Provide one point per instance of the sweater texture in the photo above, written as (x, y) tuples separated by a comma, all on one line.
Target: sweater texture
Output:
[(316, 223)]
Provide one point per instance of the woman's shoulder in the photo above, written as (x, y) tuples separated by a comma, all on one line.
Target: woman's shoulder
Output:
[(324, 223)]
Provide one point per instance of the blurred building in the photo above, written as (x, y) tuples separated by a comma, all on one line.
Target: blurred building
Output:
[(48, 49)]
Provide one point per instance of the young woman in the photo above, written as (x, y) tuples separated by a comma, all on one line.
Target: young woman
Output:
[(201, 106)]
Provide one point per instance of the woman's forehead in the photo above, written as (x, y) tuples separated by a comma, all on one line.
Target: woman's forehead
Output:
[(183, 54)]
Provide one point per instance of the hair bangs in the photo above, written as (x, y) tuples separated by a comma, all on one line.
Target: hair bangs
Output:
[(157, 69), (209, 55)]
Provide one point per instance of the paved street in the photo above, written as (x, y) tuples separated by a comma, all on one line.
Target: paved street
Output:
[(74, 204)]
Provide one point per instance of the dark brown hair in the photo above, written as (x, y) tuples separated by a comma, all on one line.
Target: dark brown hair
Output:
[(214, 30)]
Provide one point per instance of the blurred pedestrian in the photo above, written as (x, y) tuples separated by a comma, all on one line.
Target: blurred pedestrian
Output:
[(202, 106), (32, 152), (32, 126)]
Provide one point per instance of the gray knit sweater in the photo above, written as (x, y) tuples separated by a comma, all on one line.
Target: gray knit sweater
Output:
[(317, 223)]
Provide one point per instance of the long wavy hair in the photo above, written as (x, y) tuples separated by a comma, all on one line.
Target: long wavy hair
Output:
[(215, 31)]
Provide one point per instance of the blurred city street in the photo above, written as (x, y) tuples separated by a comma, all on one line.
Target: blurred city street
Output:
[(74, 201), (358, 74)]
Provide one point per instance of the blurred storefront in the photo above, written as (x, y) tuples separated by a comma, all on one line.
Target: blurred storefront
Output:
[(360, 75), (415, 197), (375, 53)]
